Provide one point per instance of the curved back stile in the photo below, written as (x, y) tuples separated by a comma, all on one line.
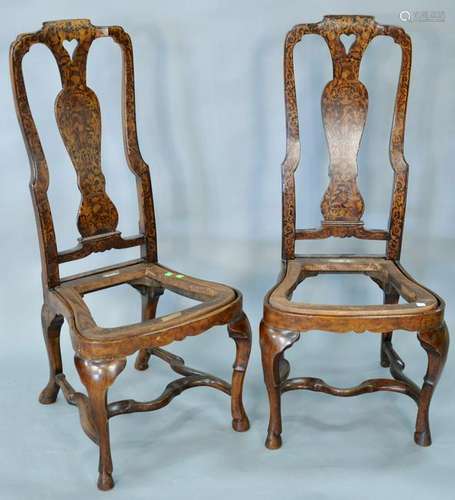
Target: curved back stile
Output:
[(344, 108), (78, 116)]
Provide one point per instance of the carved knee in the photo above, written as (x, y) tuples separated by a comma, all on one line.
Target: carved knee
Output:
[(273, 344)]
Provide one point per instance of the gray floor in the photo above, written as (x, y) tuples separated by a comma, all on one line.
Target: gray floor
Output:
[(333, 448)]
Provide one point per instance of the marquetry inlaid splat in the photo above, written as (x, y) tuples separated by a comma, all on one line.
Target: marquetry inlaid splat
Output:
[(78, 116), (344, 109)]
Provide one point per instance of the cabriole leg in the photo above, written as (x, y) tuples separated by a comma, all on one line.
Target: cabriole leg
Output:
[(436, 344), (52, 325), (150, 298), (97, 377), (390, 297), (273, 344), (240, 331)]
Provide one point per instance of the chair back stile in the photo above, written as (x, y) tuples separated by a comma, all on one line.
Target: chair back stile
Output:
[(344, 108), (78, 116)]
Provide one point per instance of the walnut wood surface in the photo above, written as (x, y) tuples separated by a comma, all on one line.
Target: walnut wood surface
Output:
[(101, 352), (344, 110)]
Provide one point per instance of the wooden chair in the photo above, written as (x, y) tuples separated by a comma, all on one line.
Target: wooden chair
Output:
[(101, 352), (344, 109)]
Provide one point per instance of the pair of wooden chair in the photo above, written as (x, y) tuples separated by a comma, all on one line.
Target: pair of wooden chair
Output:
[(101, 352)]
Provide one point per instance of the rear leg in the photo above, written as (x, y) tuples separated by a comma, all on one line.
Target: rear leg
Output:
[(52, 324), (390, 297), (150, 298)]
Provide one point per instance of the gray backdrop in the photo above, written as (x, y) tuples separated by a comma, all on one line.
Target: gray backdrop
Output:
[(211, 125)]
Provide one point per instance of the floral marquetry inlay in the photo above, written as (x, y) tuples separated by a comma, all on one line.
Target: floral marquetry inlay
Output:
[(344, 105)]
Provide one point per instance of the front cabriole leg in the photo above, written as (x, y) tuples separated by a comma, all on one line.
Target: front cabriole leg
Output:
[(436, 344), (240, 331), (273, 344), (97, 376), (52, 325)]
